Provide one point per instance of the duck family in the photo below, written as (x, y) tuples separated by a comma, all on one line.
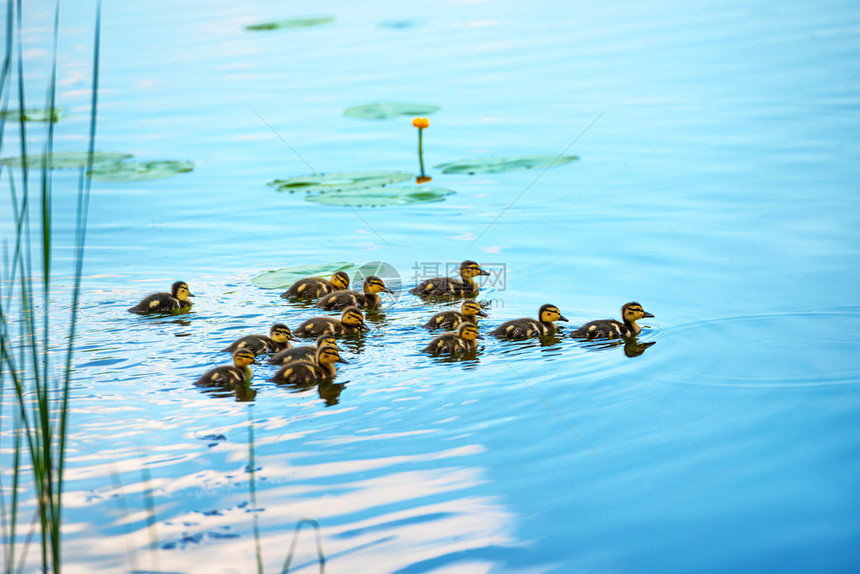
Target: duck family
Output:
[(311, 364)]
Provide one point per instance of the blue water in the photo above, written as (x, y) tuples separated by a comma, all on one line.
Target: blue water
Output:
[(716, 185)]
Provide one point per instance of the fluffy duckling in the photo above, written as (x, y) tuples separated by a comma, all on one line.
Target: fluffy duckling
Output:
[(228, 375), (343, 299), (469, 312), (303, 353), (279, 339), (304, 372), (525, 328), (440, 286), (461, 341), (165, 302), (351, 321), (609, 328), (316, 287)]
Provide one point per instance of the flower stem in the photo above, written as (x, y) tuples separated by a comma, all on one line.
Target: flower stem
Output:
[(421, 150)]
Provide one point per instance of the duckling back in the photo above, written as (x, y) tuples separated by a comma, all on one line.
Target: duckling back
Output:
[(165, 302), (156, 303), (316, 287)]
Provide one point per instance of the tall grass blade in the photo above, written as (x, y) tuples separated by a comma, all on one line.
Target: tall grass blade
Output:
[(149, 502), (252, 486), (320, 555)]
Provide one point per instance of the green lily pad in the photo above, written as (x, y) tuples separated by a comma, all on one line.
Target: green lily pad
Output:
[(381, 195), (33, 115), (290, 24), (131, 171), (283, 278), (341, 181), (388, 110), (503, 164), (66, 160)]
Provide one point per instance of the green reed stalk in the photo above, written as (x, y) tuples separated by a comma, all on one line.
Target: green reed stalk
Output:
[(41, 419), (252, 486), (320, 555), (151, 520)]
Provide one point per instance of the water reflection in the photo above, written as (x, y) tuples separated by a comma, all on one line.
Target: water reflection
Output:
[(242, 393), (329, 391), (632, 346)]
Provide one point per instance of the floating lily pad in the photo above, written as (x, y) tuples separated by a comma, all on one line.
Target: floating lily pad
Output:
[(388, 110), (33, 115), (290, 24), (66, 160), (503, 164), (381, 195), (130, 171), (342, 181), (282, 278)]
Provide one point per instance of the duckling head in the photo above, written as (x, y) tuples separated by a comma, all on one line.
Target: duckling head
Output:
[(180, 291), (244, 357), (469, 269), (470, 308), (374, 284), (469, 332), (327, 339), (633, 311), (353, 317), (340, 280), (329, 355), (280, 333), (550, 313)]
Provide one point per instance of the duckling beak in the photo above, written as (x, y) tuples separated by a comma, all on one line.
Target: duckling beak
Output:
[(479, 337), (364, 326), (646, 314), (482, 314), (291, 338), (190, 294), (387, 290), (254, 362), (483, 272), (344, 361), (563, 318)]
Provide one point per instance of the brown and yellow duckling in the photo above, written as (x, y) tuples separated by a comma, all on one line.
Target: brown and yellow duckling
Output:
[(461, 341), (526, 327), (303, 353), (351, 321), (165, 302), (469, 312), (279, 339), (441, 286), (304, 372), (346, 298), (316, 287), (229, 375), (610, 328)]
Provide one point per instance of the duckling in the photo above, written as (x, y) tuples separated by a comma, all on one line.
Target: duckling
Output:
[(165, 302), (304, 372), (469, 312), (279, 339), (303, 353), (461, 341), (341, 299), (351, 321), (227, 375), (315, 287), (609, 328), (449, 286), (525, 328)]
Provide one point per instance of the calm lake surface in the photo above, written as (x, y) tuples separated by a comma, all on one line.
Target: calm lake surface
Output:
[(716, 185)]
